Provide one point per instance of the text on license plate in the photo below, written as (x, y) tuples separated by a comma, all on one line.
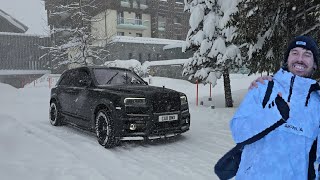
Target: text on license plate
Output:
[(171, 117)]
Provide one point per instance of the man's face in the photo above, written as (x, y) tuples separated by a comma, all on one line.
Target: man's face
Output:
[(301, 62)]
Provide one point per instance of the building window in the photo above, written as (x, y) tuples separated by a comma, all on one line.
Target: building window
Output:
[(120, 17), (120, 33), (138, 34), (179, 37), (149, 57), (162, 23), (143, 2), (162, 35), (177, 20), (140, 57), (158, 56), (130, 56), (138, 19)]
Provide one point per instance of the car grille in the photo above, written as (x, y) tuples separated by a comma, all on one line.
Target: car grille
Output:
[(166, 125), (166, 102)]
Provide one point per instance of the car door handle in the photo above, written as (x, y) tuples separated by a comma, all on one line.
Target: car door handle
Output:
[(70, 90)]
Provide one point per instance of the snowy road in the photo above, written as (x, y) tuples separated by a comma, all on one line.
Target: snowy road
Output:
[(33, 149)]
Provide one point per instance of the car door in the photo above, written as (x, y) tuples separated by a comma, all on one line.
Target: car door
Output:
[(64, 94), (82, 97)]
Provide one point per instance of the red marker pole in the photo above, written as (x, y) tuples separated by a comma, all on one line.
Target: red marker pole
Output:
[(210, 89), (49, 82), (197, 92), (210, 97)]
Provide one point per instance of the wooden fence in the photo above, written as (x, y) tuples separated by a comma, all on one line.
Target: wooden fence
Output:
[(23, 52)]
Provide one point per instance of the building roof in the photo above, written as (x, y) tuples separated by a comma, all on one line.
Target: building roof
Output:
[(10, 24)]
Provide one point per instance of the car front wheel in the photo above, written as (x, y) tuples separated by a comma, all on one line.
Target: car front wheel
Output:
[(55, 115), (105, 129)]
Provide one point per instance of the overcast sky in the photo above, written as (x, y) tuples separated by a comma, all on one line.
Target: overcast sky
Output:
[(29, 12)]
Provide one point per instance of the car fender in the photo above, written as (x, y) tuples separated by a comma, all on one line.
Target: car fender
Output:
[(102, 103), (54, 97)]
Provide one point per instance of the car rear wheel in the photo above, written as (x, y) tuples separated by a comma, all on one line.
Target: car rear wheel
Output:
[(55, 115), (105, 129)]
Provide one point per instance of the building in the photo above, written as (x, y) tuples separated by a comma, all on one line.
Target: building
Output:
[(163, 19), (10, 24), (20, 61), (146, 49), (147, 20), (168, 19)]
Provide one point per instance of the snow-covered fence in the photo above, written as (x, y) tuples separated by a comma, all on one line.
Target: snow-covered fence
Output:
[(47, 80)]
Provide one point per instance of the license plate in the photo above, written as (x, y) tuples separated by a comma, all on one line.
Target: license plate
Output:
[(172, 117)]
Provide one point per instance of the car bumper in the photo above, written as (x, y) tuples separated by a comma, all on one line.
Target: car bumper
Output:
[(156, 135), (150, 127)]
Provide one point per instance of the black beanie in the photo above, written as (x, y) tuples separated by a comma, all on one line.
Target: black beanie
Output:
[(305, 42)]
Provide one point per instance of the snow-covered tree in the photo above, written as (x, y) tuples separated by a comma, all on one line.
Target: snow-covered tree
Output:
[(264, 28), (211, 37), (73, 41)]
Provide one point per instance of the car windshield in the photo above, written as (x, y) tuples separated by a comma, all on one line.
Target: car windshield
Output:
[(116, 76)]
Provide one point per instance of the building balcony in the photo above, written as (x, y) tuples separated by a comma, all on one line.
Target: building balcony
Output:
[(134, 24)]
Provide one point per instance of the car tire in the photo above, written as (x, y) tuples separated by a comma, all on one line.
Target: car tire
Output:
[(55, 116), (105, 131)]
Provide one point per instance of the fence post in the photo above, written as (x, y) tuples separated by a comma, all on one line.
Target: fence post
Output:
[(149, 78)]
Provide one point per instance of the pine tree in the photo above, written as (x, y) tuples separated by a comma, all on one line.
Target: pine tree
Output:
[(265, 28), (211, 37), (73, 42)]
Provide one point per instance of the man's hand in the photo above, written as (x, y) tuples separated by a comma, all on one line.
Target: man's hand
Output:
[(282, 106), (254, 84)]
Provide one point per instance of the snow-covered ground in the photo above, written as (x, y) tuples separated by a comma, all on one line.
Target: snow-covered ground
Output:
[(33, 149)]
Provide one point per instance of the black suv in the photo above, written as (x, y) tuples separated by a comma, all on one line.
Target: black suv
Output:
[(117, 104)]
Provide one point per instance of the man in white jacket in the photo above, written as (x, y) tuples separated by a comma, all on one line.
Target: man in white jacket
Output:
[(284, 152)]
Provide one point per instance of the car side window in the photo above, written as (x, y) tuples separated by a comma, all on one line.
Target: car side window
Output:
[(82, 78), (66, 79), (73, 78), (105, 76)]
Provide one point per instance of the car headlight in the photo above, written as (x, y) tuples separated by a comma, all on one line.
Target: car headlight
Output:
[(135, 101), (183, 100)]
